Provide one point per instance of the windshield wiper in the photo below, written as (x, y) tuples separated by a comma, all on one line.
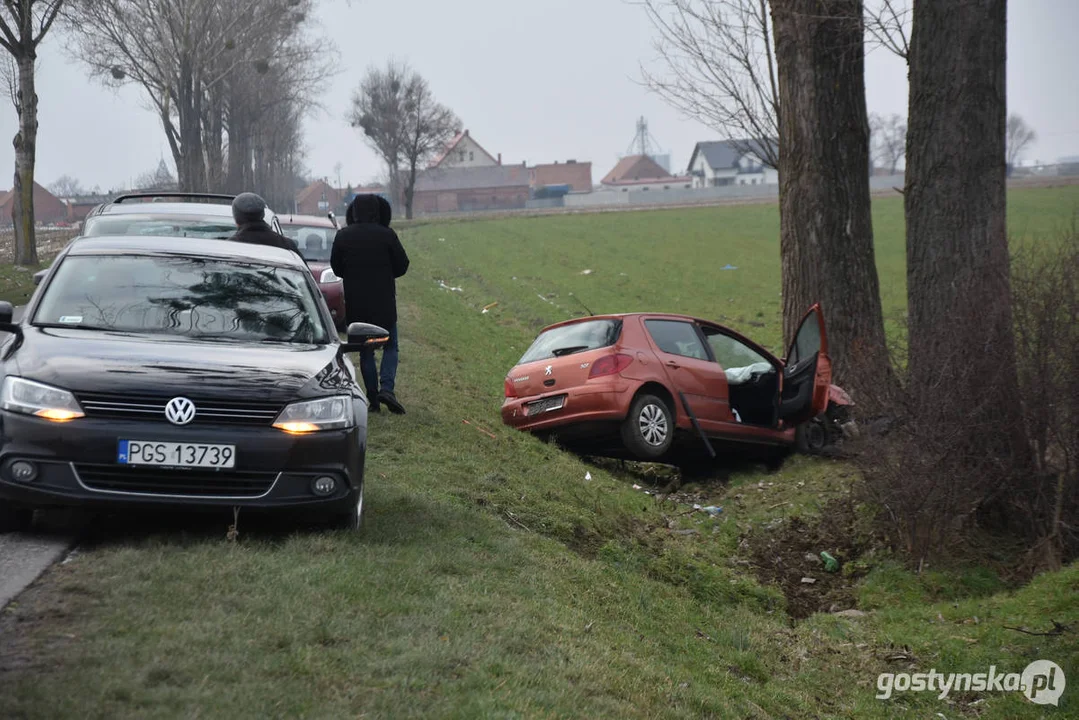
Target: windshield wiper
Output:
[(568, 350)]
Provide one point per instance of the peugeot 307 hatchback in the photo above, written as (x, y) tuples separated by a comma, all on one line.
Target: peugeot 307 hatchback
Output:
[(628, 384), (203, 373)]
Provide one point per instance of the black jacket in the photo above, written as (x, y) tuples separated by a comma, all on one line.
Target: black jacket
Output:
[(368, 257), (259, 233)]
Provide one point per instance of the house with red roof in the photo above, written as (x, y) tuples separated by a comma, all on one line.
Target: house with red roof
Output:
[(47, 207), (640, 172)]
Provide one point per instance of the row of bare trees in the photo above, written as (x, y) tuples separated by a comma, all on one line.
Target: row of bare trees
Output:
[(230, 80), (402, 122)]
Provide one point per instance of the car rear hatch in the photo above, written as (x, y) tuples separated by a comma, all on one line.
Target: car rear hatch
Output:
[(563, 357)]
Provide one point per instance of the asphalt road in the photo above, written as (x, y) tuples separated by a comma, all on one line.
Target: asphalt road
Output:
[(24, 556)]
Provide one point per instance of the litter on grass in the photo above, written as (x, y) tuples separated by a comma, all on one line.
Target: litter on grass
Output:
[(586, 272), (729, 267)]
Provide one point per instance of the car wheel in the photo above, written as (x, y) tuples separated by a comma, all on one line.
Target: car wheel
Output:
[(810, 437), (648, 430), (350, 519), (14, 518)]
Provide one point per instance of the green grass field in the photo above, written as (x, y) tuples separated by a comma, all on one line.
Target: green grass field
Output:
[(493, 579)]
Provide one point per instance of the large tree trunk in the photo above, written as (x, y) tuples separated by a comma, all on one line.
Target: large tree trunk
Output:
[(962, 347), (25, 155), (826, 233)]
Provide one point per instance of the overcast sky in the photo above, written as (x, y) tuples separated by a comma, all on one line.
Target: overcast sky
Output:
[(535, 81)]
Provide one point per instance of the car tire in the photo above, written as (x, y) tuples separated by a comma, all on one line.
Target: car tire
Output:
[(351, 520), (15, 518), (810, 437), (648, 430)]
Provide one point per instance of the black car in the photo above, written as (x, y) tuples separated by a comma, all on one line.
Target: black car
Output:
[(195, 373)]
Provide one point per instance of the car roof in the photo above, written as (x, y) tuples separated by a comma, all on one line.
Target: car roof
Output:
[(197, 247), (314, 220), (624, 316), (149, 204)]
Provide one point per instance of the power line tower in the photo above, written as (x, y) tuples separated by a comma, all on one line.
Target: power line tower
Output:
[(643, 142)]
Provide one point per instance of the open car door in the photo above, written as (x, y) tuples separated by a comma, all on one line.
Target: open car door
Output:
[(807, 375)]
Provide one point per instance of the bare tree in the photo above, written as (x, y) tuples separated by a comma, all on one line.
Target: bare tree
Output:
[(1018, 136), (719, 68), (887, 23), (826, 231), (888, 136), (428, 127), (378, 109), (23, 25), (66, 186)]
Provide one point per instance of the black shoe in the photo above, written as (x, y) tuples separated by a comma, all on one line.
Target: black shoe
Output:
[(373, 406), (390, 400)]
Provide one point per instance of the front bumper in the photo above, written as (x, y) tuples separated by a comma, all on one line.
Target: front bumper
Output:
[(77, 466)]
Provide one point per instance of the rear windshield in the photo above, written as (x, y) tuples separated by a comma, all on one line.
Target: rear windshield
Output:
[(315, 242), (190, 296), (218, 227), (569, 339)]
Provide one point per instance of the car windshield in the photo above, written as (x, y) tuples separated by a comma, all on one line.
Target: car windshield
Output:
[(189, 296), (315, 242), (569, 339), (219, 227)]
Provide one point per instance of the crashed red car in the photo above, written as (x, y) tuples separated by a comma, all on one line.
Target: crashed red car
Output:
[(314, 236), (630, 385)]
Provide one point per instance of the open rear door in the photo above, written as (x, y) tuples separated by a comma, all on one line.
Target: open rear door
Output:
[(807, 375)]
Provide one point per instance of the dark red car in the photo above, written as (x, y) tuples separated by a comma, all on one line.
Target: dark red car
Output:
[(314, 236), (633, 382)]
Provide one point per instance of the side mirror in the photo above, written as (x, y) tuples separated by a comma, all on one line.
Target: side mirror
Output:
[(7, 311), (363, 336), (39, 276)]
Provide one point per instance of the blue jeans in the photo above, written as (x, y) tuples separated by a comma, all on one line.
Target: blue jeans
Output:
[(374, 377)]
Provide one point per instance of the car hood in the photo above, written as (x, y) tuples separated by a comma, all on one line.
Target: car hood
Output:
[(86, 361)]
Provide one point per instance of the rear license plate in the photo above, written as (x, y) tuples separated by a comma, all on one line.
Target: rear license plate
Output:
[(171, 454), (545, 405)]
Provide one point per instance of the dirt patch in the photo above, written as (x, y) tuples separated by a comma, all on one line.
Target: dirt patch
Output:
[(787, 554)]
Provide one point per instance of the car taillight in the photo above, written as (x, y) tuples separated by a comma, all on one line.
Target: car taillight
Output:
[(610, 365), (511, 392)]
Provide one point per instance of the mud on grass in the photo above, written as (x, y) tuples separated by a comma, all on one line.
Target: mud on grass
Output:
[(785, 553)]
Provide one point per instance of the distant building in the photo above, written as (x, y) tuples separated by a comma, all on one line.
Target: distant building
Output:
[(80, 206), (577, 175), (727, 162), (463, 151), (47, 207), (641, 172), (468, 189), (318, 198)]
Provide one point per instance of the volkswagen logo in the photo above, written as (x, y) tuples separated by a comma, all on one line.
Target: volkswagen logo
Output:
[(180, 411)]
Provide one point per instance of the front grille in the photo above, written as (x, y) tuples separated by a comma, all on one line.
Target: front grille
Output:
[(163, 481), (207, 412)]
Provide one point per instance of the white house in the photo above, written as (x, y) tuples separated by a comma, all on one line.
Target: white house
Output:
[(463, 151), (726, 162)]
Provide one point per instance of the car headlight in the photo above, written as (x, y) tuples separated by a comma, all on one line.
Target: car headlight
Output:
[(33, 398), (331, 413), (328, 276)]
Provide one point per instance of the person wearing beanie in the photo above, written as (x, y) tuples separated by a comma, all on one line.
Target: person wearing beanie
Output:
[(368, 256), (249, 212)]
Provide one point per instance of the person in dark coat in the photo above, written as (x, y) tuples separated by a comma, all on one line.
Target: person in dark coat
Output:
[(249, 212), (368, 256)]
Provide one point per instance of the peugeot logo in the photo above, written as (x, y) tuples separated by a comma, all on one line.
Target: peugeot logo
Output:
[(547, 370), (180, 411)]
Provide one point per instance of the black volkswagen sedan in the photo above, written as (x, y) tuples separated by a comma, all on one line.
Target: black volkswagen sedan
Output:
[(195, 373)]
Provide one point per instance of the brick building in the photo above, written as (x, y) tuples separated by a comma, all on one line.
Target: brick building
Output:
[(47, 207), (318, 198), (578, 175), (467, 189)]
